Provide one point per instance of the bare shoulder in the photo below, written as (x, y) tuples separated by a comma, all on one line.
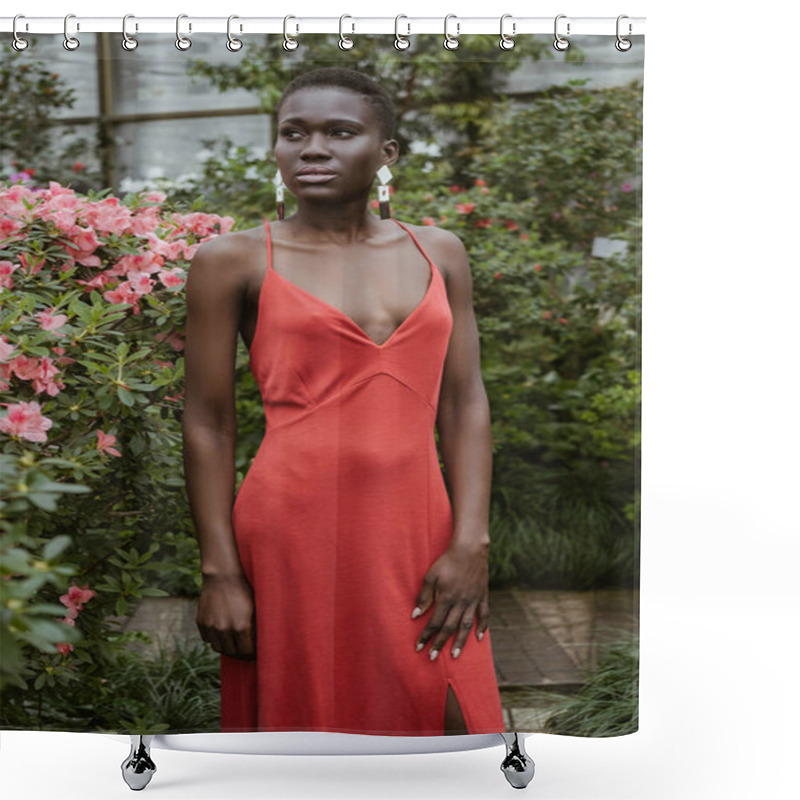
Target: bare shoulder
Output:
[(229, 250), (446, 250)]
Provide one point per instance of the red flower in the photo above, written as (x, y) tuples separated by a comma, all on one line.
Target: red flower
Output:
[(524, 236), (498, 275), (480, 182), (465, 208), (546, 314), (537, 267), (562, 320), (455, 189), (78, 166), (486, 222), (511, 225), (428, 221), (29, 171)]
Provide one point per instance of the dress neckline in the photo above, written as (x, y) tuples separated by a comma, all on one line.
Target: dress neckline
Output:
[(337, 311)]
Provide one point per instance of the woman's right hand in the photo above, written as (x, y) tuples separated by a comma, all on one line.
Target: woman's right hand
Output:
[(226, 616)]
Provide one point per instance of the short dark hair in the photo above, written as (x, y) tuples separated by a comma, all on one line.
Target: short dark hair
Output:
[(381, 103)]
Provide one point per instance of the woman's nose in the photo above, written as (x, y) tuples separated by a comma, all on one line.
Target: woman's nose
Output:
[(316, 144)]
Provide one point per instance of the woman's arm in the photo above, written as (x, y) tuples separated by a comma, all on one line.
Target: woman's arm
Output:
[(458, 580), (215, 290)]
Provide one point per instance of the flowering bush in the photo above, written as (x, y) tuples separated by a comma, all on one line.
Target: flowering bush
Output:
[(91, 381)]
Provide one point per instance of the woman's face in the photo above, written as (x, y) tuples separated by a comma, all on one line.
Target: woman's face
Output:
[(334, 132)]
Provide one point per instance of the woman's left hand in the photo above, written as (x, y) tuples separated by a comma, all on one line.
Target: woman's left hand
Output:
[(458, 583)]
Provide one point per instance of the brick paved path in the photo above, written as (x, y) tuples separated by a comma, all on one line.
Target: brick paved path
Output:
[(543, 641)]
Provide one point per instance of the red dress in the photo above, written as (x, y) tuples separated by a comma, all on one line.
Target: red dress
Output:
[(338, 519)]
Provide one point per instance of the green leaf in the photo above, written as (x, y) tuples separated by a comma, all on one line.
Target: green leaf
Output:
[(125, 396), (56, 546)]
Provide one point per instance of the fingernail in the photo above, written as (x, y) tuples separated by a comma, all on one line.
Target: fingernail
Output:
[(480, 636), (457, 652), (416, 612), (434, 653), (420, 646)]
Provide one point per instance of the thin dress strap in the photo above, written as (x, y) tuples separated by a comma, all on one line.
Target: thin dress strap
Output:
[(269, 245), (416, 241)]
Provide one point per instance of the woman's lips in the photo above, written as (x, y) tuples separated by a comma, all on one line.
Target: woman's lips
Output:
[(315, 177)]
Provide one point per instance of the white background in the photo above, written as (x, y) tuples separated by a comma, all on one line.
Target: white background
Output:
[(719, 604)]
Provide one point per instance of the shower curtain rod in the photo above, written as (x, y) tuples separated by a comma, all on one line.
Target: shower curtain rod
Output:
[(346, 24)]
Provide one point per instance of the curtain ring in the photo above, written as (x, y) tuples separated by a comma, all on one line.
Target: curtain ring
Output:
[(623, 45), (182, 42), (19, 44), (128, 42), (400, 42), (233, 44), (289, 42), (345, 43), (451, 42), (507, 42), (560, 43), (70, 42)]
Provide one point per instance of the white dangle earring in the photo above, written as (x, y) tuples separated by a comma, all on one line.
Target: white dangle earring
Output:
[(279, 188), (384, 176)]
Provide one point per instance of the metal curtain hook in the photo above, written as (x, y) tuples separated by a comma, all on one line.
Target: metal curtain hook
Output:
[(623, 45), (182, 42), (19, 43), (70, 42), (128, 42), (560, 43), (450, 41), (289, 42), (400, 42), (234, 45), (345, 43), (506, 41)]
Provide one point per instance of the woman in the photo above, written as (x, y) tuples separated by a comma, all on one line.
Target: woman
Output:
[(334, 579)]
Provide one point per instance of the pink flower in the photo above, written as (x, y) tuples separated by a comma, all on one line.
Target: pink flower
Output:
[(498, 275), (49, 322), (480, 182), (455, 189), (75, 598), (64, 648), (44, 381), (172, 278), (486, 222), (465, 208), (511, 225), (78, 166), (124, 293), (175, 340), (524, 237), (6, 268), (537, 267), (626, 187), (6, 348), (25, 421), (546, 314), (25, 367), (105, 442), (428, 221), (562, 320)]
